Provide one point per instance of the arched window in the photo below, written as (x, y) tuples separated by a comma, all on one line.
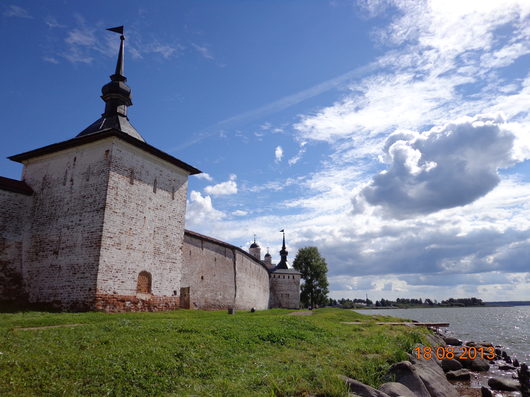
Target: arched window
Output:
[(144, 283)]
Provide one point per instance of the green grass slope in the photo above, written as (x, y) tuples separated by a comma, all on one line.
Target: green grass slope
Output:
[(188, 353)]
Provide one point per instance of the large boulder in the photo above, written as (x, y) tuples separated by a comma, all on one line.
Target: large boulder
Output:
[(434, 378), (433, 363), (405, 373), (362, 390), (435, 340), (479, 364), (485, 392), (450, 364), (394, 389), (450, 340), (459, 374), (498, 383), (476, 364)]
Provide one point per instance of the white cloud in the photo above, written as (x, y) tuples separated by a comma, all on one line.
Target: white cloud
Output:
[(446, 53), (52, 22), (203, 51), (81, 36), (16, 11), (278, 154), (50, 60), (166, 50), (83, 43), (204, 176), (223, 188), (296, 158), (239, 213), (200, 210)]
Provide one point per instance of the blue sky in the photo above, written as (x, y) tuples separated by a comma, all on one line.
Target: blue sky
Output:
[(393, 135)]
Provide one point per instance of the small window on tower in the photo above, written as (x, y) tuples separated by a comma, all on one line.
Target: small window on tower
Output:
[(131, 176), (154, 186)]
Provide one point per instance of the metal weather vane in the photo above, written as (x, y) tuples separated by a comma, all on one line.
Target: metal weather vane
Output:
[(119, 64)]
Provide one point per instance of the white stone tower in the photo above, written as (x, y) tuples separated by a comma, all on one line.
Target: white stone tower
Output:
[(106, 219), (284, 283)]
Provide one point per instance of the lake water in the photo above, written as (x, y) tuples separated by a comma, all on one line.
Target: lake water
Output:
[(505, 326)]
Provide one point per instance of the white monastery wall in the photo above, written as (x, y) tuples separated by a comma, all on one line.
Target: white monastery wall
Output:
[(252, 283), (209, 273), (143, 230), (61, 254), (220, 276), (14, 210)]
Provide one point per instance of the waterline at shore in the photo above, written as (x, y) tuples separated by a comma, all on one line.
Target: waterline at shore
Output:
[(506, 326)]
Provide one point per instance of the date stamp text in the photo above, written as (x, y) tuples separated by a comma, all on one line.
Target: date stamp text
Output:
[(452, 352)]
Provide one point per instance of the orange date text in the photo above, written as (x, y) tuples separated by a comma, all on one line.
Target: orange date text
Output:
[(460, 352)]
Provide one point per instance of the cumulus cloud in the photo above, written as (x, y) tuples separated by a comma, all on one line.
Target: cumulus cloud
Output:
[(278, 154), (200, 210), (239, 213), (442, 168), (204, 176), (223, 188)]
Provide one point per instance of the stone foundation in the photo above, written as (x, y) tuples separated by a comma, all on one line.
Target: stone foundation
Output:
[(132, 303)]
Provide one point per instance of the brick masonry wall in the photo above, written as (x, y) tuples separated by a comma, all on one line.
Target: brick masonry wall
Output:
[(132, 303), (218, 279), (14, 210), (209, 274), (144, 225), (252, 283), (61, 250), (285, 290)]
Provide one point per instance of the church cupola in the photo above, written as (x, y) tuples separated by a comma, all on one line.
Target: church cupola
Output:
[(267, 259), (255, 249), (117, 97), (283, 264)]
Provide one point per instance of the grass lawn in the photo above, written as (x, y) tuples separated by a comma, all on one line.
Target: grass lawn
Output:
[(187, 353)]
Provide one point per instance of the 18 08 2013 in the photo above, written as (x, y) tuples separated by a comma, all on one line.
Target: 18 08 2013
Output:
[(460, 352)]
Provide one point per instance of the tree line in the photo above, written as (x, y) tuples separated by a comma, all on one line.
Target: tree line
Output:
[(405, 302)]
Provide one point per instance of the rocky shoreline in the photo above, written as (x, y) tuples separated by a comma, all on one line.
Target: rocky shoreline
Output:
[(494, 374)]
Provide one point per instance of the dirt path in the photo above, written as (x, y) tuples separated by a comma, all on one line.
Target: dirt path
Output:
[(304, 313)]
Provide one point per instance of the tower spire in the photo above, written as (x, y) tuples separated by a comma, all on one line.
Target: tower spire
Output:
[(119, 63), (117, 97), (283, 264)]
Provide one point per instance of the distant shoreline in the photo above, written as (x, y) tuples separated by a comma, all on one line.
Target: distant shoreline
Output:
[(486, 304)]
